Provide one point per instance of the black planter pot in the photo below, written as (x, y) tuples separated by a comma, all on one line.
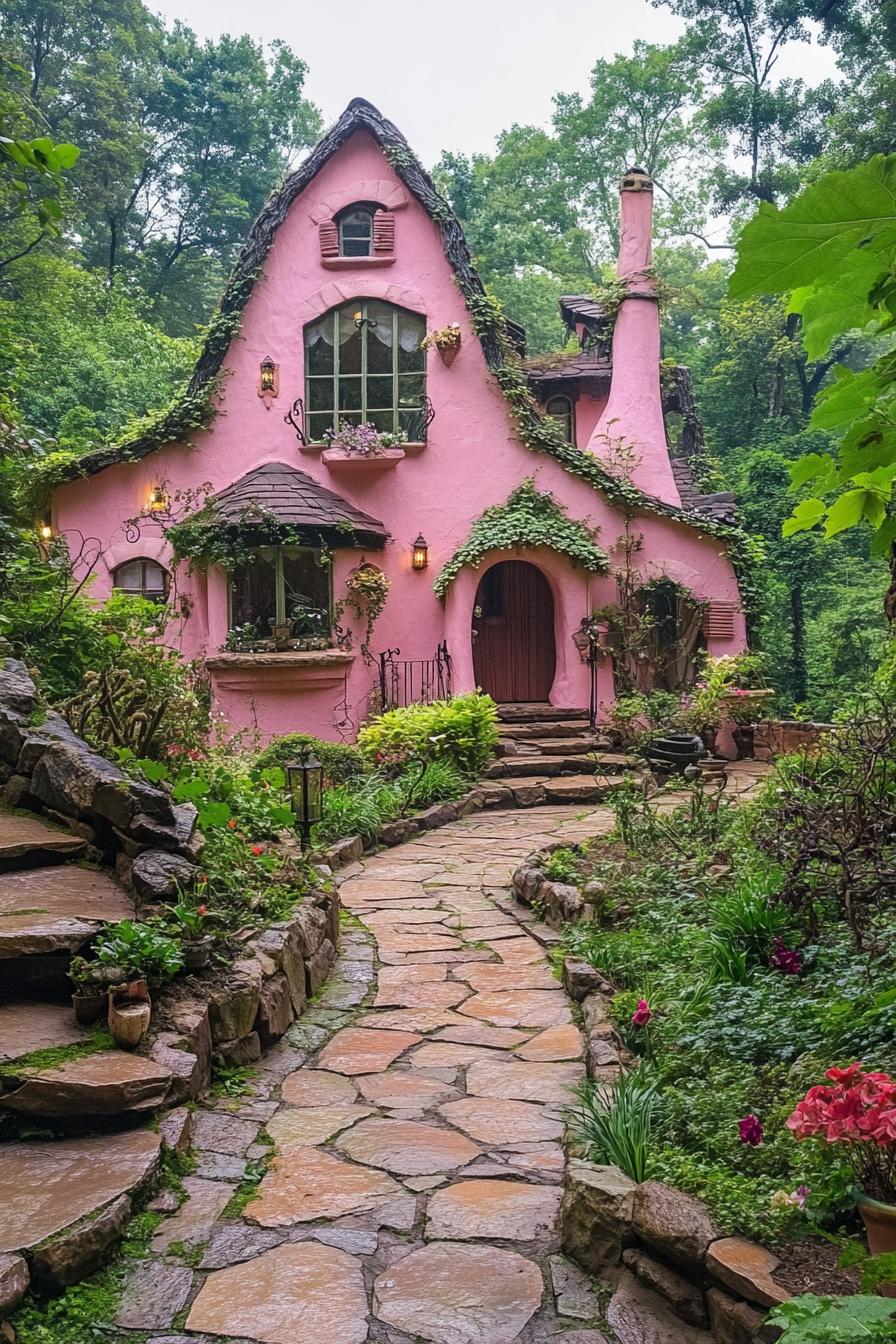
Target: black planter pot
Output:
[(675, 751)]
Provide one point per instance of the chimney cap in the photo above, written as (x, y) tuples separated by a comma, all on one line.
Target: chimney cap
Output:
[(635, 179)]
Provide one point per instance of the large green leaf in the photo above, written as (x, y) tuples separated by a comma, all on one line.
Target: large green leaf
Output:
[(834, 219), (830, 309)]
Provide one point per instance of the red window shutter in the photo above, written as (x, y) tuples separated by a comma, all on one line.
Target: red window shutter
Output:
[(329, 238), (718, 620), (384, 231)]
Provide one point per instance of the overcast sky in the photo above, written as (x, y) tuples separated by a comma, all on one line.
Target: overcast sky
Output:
[(451, 73)]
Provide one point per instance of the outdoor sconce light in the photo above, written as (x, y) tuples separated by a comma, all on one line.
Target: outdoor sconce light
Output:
[(158, 500), (268, 380), (421, 553), (45, 531), (305, 781)]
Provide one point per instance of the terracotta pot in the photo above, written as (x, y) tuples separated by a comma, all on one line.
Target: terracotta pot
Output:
[(880, 1224), (89, 1007), (448, 355), (129, 1012)]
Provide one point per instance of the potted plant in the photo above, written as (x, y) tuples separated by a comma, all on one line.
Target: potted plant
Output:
[(145, 956), (363, 440), (196, 944), (91, 989), (446, 340), (858, 1110)]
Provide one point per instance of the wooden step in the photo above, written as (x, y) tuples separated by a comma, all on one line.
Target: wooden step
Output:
[(28, 842), (47, 911), (538, 713)]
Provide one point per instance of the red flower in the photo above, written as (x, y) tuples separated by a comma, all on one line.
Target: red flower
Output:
[(202, 909), (858, 1107), (751, 1130), (257, 849), (231, 824), (642, 1014)]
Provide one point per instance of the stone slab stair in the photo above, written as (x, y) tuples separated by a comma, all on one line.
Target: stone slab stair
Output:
[(546, 755)]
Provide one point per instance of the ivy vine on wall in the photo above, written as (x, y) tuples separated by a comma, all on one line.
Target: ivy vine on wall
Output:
[(529, 518)]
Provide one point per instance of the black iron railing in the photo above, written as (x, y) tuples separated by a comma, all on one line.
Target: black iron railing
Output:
[(415, 422), (414, 681)]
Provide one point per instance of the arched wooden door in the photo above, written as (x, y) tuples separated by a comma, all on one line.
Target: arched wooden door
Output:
[(513, 647)]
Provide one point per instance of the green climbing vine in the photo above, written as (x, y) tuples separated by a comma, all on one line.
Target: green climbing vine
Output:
[(206, 539), (529, 518)]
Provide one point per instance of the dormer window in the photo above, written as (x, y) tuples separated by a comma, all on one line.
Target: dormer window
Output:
[(561, 410), (356, 232)]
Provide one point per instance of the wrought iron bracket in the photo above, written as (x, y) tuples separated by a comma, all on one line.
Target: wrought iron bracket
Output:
[(295, 416)]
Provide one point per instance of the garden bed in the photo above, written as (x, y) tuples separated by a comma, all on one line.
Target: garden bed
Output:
[(733, 973)]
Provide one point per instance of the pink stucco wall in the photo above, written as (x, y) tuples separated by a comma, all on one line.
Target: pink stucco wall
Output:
[(472, 460)]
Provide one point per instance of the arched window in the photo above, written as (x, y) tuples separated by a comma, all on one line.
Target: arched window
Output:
[(561, 409), (356, 231), (364, 364), (142, 578)]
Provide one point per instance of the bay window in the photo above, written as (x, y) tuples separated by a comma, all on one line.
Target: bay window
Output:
[(282, 585)]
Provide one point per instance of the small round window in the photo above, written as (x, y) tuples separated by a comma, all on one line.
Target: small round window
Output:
[(143, 578), (356, 232)]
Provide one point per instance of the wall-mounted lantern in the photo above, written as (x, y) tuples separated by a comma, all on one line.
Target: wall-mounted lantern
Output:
[(421, 553), (268, 381), (45, 531), (158, 501), (305, 781)]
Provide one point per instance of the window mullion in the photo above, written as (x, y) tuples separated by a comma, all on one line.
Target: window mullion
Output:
[(395, 422), (364, 366), (279, 587), (336, 369)]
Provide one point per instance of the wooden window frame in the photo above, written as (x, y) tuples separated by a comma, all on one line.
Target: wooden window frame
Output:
[(358, 208), (333, 315), (568, 418), (280, 582), (159, 595)]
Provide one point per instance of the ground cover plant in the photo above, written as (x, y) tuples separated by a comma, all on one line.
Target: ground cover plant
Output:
[(734, 997)]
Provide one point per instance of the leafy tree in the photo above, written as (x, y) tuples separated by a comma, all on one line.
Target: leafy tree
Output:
[(833, 249), (772, 126)]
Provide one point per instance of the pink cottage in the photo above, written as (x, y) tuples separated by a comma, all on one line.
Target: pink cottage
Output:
[(375, 498)]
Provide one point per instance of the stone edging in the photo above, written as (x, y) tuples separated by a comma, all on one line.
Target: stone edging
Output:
[(666, 1238)]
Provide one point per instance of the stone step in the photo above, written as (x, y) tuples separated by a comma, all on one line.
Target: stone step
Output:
[(515, 766), (539, 713), (105, 1083), (540, 730), (27, 842), (548, 746), (533, 790), (27, 1025), (75, 1191), (47, 911)]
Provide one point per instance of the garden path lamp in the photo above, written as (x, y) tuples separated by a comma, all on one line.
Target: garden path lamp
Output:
[(305, 781)]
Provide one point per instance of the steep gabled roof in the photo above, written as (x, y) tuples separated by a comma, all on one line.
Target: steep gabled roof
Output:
[(498, 340)]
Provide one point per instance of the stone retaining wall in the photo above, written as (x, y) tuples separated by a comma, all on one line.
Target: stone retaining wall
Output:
[(780, 737), (133, 826)]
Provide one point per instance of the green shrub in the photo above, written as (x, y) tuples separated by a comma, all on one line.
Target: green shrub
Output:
[(358, 809), (340, 761), (140, 950), (439, 782), (462, 731), (615, 1123), (563, 865)]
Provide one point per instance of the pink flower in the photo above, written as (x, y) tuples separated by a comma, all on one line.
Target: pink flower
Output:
[(202, 909), (751, 1130), (642, 1014)]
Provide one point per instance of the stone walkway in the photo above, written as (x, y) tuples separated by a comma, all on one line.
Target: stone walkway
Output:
[(408, 1130)]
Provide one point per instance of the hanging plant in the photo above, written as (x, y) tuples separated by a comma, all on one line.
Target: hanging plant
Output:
[(366, 591), (444, 339)]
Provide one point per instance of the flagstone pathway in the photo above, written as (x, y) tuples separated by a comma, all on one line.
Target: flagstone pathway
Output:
[(408, 1129)]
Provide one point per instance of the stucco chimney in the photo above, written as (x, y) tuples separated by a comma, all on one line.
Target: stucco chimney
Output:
[(631, 433)]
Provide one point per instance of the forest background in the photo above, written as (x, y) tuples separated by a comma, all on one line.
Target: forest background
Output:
[(152, 151)]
